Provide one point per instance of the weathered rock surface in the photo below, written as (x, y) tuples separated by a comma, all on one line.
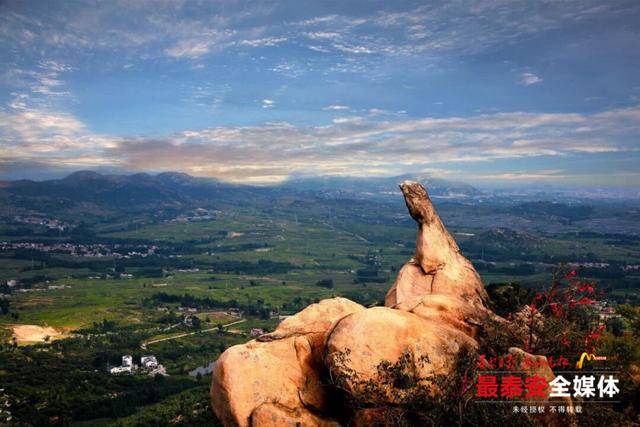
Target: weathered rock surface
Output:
[(436, 307), (276, 415), (285, 368), (360, 342), (438, 266)]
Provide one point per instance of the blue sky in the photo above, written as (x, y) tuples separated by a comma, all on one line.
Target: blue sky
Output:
[(490, 92)]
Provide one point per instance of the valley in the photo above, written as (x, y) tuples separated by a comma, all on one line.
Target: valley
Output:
[(97, 277)]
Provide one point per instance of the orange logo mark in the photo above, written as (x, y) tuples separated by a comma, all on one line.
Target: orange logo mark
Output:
[(588, 356)]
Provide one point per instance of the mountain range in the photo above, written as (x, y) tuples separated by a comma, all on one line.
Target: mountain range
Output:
[(180, 189)]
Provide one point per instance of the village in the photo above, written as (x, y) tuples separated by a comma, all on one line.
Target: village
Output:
[(50, 223), (97, 250)]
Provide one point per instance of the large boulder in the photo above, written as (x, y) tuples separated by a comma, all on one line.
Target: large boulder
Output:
[(285, 368), (276, 415), (361, 342)]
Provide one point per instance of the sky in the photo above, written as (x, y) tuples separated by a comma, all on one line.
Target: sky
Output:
[(490, 92)]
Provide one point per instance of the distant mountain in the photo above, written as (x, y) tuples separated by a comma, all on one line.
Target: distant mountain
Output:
[(123, 192), (379, 186), (91, 191)]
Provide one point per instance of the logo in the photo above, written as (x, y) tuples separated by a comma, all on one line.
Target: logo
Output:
[(589, 357)]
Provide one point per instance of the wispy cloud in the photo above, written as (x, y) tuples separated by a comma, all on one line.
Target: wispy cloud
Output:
[(458, 28), (268, 103), (541, 175), (335, 107), (31, 132), (267, 41), (188, 49), (350, 145), (528, 79), (347, 80)]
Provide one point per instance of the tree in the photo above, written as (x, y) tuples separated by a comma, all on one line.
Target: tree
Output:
[(325, 283), (4, 306), (616, 326), (196, 322)]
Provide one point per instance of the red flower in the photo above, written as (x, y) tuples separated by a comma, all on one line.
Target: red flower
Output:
[(585, 300), (571, 274), (586, 287), (556, 309)]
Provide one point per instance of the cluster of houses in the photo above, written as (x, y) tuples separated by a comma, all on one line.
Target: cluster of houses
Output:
[(605, 311), (14, 284), (148, 364), (200, 214), (51, 223), (94, 250), (626, 267)]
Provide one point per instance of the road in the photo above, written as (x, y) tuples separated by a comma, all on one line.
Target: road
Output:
[(145, 344)]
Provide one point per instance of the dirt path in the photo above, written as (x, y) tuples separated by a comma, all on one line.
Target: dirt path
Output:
[(145, 344)]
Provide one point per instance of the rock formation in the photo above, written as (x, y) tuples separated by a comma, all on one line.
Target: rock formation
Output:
[(436, 307), (282, 369)]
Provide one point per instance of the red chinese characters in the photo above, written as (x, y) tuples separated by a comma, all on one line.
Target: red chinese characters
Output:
[(487, 386), (511, 386)]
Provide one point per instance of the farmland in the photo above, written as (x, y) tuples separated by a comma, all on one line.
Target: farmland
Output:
[(165, 282)]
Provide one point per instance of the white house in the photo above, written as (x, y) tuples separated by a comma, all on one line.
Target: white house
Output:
[(120, 370), (149, 362), (127, 361), (127, 366)]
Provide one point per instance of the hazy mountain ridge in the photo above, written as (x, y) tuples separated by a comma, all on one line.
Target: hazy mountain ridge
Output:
[(379, 186), (168, 194), (179, 189)]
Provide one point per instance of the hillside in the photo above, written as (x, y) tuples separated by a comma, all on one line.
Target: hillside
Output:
[(87, 191)]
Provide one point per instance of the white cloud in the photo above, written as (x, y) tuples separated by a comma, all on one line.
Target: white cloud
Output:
[(344, 120), (541, 175), (170, 29), (349, 145), (322, 35), (352, 48), (29, 132), (335, 107), (268, 41), (382, 112), (528, 79), (290, 69), (351, 142), (188, 49), (268, 103)]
